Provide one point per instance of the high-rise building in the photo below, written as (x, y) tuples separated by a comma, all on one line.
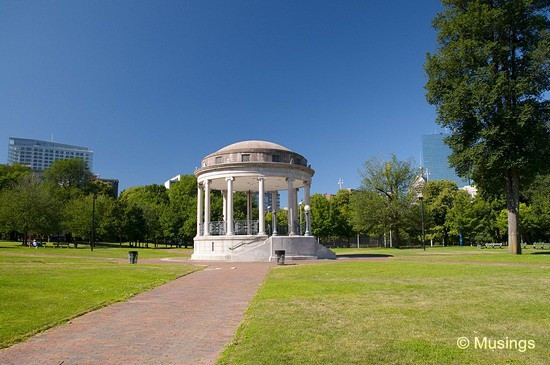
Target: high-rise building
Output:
[(39, 155), (435, 155)]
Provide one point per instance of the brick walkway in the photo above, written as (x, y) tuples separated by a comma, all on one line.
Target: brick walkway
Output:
[(187, 321)]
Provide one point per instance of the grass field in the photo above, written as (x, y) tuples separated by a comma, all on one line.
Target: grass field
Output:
[(406, 307), (41, 288)]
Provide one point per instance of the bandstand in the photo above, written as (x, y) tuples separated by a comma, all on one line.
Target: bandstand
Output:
[(262, 168)]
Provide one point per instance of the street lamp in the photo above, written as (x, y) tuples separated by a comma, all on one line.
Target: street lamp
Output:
[(300, 216), (306, 210), (269, 211), (421, 198), (93, 222)]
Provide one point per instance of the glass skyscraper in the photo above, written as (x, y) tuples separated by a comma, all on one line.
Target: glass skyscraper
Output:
[(39, 155), (435, 154)]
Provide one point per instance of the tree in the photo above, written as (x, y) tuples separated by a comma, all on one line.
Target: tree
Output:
[(118, 221), (475, 219), (370, 214), (71, 176), (29, 208), (439, 197), (383, 201), (152, 200), (99, 187), (488, 80), (538, 197), (460, 218), (321, 217), (77, 216), (341, 206), (282, 221), (11, 174), (179, 219)]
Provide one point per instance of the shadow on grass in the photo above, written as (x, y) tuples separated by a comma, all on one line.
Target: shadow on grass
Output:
[(363, 255), (541, 253)]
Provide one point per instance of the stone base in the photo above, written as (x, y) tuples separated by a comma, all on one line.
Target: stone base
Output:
[(258, 248)]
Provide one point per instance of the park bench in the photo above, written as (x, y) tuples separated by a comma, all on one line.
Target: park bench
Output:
[(487, 245), (63, 244), (539, 244)]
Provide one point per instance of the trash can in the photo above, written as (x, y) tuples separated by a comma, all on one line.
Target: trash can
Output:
[(280, 257), (132, 255)]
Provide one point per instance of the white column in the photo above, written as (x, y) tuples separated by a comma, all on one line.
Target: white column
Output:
[(248, 212), (296, 217), (229, 222), (307, 186), (307, 201), (290, 206), (224, 198), (199, 210), (261, 194), (274, 212), (207, 207)]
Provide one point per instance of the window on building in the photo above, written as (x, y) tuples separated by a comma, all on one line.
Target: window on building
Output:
[(245, 157), (218, 159), (276, 158)]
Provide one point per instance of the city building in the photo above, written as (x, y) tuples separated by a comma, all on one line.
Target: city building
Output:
[(435, 156), (175, 179), (472, 190), (268, 201), (39, 155)]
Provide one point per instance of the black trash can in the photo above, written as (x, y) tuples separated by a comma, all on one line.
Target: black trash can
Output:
[(132, 255), (280, 257)]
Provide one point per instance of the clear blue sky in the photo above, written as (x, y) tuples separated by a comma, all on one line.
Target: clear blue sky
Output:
[(153, 86)]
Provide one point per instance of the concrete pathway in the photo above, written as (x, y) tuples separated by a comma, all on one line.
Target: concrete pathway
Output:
[(187, 321)]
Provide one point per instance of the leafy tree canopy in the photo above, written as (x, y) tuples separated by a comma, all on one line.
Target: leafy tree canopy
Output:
[(488, 80), (69, 174), (11, 174)]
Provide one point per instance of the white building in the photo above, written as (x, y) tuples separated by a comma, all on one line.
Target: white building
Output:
[(472, 190), (168, 183), (39, 155)]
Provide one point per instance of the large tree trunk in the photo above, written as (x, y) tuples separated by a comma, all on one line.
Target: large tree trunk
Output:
[(512, 204)]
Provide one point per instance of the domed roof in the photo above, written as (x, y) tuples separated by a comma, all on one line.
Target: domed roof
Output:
[(251, 145)]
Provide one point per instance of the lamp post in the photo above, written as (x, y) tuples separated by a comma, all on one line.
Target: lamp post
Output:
[(269, 211), (93, 222), (300, 217), (306, 210), (421, 198)]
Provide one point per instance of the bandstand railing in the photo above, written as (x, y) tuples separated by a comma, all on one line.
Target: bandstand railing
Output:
[(241, 228), (218, 228)]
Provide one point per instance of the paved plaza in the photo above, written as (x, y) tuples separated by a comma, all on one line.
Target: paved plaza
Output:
[(187, 321)]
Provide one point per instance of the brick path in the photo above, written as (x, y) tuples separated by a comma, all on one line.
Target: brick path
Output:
[(187, 321)]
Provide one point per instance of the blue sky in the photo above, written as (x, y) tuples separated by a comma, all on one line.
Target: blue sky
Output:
[(153, 86)]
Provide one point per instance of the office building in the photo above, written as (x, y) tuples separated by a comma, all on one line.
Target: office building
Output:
[(39, 155), (435, 154)]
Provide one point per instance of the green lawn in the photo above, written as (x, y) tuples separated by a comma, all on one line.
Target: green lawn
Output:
[(100, 251), (410, 308), (41, 288)]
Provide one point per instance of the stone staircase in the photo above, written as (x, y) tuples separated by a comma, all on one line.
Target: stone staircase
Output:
[(296, 248)]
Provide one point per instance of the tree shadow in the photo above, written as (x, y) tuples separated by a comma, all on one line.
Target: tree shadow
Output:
[(363, 255), (541, 253)]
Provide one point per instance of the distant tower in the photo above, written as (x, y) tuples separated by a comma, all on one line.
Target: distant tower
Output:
[(435, 156), (39, 155), (340, 183)]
